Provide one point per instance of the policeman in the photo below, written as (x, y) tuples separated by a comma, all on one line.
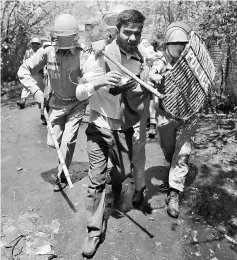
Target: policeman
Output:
[(175, 135), (35, 44), (63, 65)]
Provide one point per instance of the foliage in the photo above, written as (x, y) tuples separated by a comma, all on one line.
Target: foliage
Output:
[(20, 21), (215, 21)]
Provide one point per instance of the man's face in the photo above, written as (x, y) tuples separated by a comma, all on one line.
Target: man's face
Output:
[(129, 36), (35, 46)]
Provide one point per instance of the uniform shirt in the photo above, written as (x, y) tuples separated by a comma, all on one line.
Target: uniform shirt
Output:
[(27, 55), (63, 70)]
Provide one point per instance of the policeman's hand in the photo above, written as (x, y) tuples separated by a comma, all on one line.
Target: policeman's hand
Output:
[(111, 78), (155, 77), (98, 47), (39, 97)]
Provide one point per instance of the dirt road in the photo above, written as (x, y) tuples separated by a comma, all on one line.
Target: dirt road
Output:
[(28, 169)]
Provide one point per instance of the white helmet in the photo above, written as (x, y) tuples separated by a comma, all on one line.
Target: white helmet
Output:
[(65, 30), (177, 32), (35, 40)]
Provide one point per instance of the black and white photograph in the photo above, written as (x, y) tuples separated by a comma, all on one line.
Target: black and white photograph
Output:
[(118, 130)]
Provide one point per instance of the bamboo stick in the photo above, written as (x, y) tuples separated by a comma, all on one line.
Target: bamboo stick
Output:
[(60, 157), (129, 73)]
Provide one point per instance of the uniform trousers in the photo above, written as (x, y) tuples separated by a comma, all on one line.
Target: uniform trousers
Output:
[(176, 138), (65, 117)]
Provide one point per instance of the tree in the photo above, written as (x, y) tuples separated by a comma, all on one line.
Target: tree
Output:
[(20, 21)]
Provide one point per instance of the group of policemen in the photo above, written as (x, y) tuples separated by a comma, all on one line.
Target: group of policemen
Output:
[(119, 107)]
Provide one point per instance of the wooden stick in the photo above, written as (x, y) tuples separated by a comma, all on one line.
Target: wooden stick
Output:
[(129, 73), (60, 156)]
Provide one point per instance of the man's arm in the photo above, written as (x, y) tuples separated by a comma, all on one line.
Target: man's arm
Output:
[(30, 65), (33, 64), (94, 77)]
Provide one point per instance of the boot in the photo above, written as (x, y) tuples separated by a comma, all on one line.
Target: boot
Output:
[(43, 119), (21, 103), (116, 189), (92, 243), (173, 203), (60, 183), (152, 131), (90, 246), (138, 198)]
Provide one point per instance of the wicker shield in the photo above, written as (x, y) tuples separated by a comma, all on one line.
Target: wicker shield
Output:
[(187, 84)]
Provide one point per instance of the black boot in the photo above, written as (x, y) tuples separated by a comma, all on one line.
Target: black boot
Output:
[(138, 198), (116, 189), (173, 203), (60, 183), (21, 103)]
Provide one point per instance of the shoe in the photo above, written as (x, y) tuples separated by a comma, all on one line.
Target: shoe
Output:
[(43, 119), (152, 131), (21, 103), (116, 189), (138, 198), (90, 246), (173, 203), (164, 187), (60, 183)]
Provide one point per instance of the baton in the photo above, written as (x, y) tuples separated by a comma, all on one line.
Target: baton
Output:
[(60, 156), (129, 73)]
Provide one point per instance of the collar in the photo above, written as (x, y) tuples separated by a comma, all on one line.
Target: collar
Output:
[(133, 55)]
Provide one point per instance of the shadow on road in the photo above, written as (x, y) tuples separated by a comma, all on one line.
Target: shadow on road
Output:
[(78, 170)]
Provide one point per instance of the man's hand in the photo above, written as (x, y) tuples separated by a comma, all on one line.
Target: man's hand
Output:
[(124, 87), (39, 97), (155, 77), (111, 78)]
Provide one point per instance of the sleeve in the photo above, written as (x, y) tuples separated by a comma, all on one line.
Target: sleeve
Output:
[(33, 64), (84, 91), (92, 69), (156, 59)]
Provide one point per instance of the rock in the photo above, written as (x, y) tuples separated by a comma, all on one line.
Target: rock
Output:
[(55, 226), (10, 234)]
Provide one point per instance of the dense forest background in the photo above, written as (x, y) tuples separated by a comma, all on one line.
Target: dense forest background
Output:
[(215, 21)]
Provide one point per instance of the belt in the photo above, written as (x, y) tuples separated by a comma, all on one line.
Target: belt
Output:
[(65, 98)]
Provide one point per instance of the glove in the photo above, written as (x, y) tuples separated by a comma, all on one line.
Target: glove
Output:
[(155, 77)]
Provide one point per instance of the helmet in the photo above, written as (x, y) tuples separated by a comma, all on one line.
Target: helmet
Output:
[(65, 25), (177, 32), (64, 30), (110, 17), (35, 40), (46, 44)]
